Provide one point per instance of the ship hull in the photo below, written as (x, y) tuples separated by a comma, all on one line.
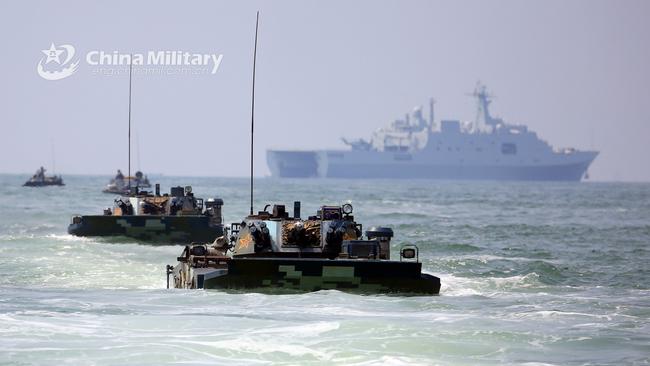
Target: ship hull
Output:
[(157, 229), (293, 164), (569, 172), (316, 164)]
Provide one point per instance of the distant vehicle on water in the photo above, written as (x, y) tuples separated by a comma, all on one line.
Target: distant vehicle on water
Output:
[(124, 185), (39, 179), (486, 149)]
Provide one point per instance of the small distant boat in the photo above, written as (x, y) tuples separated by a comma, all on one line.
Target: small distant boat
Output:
[(128, 185), (125, 185), (41, 180)]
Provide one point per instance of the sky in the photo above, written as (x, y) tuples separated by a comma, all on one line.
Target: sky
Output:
[(575, 72)]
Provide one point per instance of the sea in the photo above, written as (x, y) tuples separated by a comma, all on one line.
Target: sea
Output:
[(532, 274)]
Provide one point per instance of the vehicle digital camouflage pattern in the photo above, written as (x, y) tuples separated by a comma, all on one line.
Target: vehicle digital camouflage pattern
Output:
[(178, 218), (271, 250)]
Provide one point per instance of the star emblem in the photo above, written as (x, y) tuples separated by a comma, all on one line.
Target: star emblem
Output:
[(52, 54)]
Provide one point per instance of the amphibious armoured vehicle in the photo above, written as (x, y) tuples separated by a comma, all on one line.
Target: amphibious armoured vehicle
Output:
[(177, 218), (39, 179), (325, 251), (124, 185)]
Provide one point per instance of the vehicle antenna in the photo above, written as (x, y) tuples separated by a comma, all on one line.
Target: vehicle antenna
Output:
[(257, 20), (130, 72), (54, 158), (137, 151)]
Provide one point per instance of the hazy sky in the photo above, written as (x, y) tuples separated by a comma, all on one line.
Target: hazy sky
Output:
[(576, 72)]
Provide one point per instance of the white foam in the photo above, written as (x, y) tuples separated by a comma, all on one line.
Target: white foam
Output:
[(484, 286), (69, 238)]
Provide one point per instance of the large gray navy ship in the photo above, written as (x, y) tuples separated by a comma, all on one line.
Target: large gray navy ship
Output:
[(487, 149)]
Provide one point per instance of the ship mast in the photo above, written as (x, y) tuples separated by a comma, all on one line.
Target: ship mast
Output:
[(431, 103), (257, 20), (482, 112)]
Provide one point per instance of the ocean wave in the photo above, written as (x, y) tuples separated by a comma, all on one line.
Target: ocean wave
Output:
[(452, 285), (69, 238), (42, 237), (29, 229), (491, 266), (573, 315), (486, 258), (438, 248), (402, 215)]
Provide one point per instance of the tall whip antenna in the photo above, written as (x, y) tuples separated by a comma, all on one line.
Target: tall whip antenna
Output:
[(257, 20), (130, 72), (54, 157)]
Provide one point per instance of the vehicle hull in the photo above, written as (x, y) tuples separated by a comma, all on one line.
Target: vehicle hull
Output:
[(43, 184), (310, 274), (149, 228)]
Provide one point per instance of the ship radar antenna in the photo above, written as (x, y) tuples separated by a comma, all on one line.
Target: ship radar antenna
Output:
[(130, 73), (483, 102), (257, 20)]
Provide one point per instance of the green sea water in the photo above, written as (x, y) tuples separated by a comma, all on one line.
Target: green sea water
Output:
[(532, 274)]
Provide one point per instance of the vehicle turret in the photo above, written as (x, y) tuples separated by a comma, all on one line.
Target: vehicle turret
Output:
[(276, 232)]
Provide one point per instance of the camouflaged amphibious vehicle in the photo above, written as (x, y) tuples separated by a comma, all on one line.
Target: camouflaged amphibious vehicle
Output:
[(175, 218), (39, 179), (123, 185), (325, 251)]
